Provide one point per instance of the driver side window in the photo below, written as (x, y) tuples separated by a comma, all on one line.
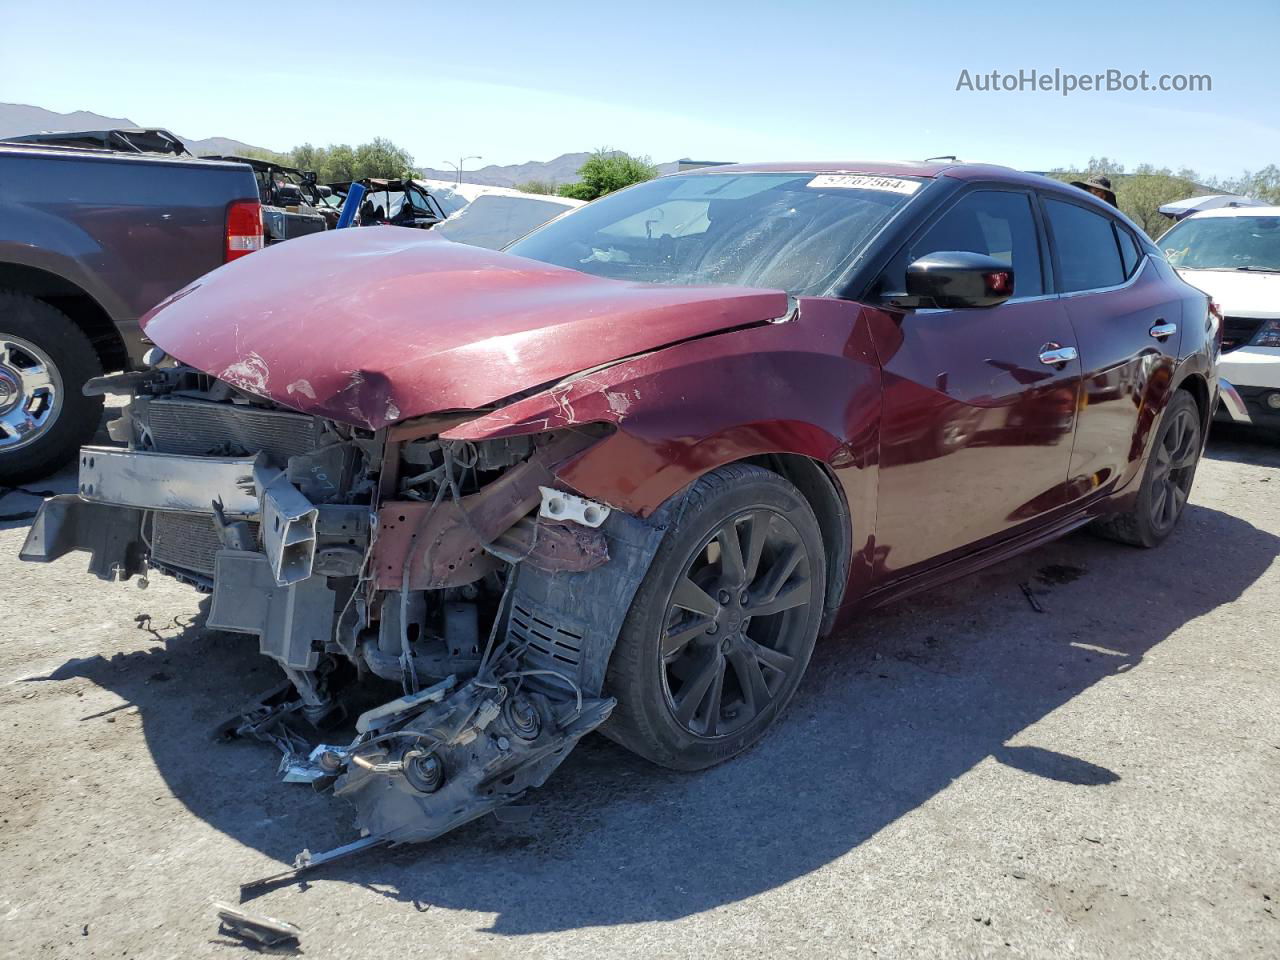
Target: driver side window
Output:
[(996, 223)]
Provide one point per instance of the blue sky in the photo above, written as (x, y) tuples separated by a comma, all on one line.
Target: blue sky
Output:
[(735, 81)]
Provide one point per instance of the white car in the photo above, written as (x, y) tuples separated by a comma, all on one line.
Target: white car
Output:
[(1233, 254)]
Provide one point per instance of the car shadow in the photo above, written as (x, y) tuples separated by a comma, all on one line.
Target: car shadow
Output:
[(18, 504), (890, 713), (1239, 443)]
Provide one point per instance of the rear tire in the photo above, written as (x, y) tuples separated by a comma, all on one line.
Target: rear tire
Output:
[(722, 628), (1166, 481), (44, 361)]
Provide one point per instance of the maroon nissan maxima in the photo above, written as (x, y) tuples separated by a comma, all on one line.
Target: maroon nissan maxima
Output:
[(624, 474)]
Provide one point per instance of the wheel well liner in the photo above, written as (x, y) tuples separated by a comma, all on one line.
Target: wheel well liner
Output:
[(84, 311), (1195, 385), (816, 483)]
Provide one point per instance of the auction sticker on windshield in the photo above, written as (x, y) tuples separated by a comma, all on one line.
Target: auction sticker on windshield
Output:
[(857, 182)]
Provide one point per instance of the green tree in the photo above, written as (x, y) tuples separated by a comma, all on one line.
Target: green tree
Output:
[(536, 186), (270, 156), (1263, 185), (339, 164), (307, 157), (606, 171), (1142, 193), (382, 158), (1141, 196), (1103, 165)]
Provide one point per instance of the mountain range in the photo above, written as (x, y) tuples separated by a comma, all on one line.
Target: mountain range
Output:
[(563, 169), (17, 119)]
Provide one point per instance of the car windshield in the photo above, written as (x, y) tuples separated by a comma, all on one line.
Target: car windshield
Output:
[(787, 231), (1224, 243)]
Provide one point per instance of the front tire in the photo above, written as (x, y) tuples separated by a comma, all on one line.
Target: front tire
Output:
[(44, 361), (722, 628), (1166, 481)]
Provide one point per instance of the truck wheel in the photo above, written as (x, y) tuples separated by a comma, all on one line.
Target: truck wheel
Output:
[(44, 361), (1166, 482), (721, 630)]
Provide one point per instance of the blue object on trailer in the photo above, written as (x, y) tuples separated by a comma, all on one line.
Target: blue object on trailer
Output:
[(349, 206)]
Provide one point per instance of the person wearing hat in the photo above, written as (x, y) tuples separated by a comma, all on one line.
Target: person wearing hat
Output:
[(1099, 186)]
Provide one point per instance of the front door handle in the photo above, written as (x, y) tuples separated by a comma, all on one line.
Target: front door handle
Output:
[(1054, 354), (1163, 330)]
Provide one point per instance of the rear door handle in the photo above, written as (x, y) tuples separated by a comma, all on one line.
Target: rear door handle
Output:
[(1162, 330), (1053, 354)]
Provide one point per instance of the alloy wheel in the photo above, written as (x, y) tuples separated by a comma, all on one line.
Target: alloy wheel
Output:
[(731, 634), (1175, 463)]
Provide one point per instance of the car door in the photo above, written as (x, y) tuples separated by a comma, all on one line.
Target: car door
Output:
[(979, 403), (1126, 319)]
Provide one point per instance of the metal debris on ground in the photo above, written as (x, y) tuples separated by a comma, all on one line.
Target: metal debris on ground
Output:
[(306, 860), (1031, 597), (255, 928)]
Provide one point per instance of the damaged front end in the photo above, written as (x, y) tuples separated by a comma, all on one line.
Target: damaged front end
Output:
[(450, 597)]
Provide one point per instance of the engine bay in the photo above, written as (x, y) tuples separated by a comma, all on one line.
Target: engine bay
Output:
[(449, 599)]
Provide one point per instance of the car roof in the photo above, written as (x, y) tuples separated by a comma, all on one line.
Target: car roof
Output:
[(1235, 212), (929, 169), (881, 168)]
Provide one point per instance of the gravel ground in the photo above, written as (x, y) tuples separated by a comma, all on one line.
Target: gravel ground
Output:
[(959, 776)]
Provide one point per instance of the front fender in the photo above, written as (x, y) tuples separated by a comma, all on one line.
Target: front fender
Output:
[(808, 386)]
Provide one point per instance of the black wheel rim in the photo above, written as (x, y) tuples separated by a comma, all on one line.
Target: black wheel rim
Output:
[(734, 626), (1174, 466)]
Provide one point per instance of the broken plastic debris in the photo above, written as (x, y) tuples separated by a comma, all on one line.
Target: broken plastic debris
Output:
[(306, 860), (255, 927), (558, 505)]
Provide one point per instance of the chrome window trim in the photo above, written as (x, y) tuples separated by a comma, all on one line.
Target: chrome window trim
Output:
[(1038, 297), (1041, 296)]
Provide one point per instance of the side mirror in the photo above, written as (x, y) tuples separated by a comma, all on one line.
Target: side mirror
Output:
[(957, 278), (308, 176)]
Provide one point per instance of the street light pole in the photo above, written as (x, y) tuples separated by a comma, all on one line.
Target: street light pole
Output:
[(458, 166)]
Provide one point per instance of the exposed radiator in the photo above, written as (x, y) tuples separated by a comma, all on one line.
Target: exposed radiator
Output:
[(203, 428), (187, 541)]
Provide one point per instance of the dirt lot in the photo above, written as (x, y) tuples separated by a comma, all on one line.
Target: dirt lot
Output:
[(959, 776)]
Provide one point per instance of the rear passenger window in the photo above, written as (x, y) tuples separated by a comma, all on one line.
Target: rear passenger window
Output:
[(1087, 252), (993, 222), (1128, 250)]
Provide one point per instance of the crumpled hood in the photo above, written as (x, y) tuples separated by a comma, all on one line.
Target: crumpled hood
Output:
[(376, 324)]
